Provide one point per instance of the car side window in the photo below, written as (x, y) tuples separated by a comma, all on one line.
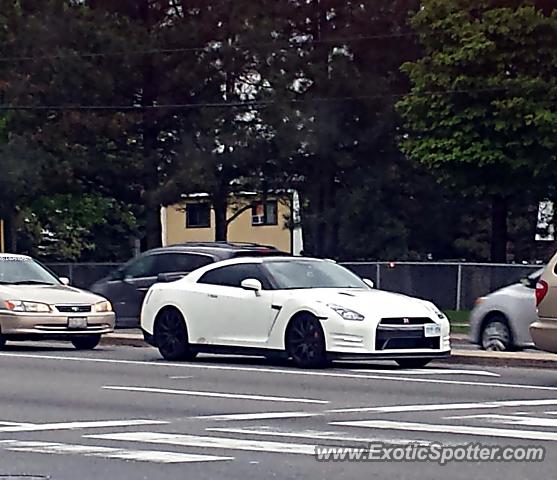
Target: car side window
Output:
[(142, 267), (180, 262), (233, 275)]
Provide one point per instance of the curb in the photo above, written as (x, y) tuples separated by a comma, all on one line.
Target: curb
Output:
[(502, 359)]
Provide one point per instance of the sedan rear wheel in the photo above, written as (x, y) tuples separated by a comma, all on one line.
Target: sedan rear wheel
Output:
[(305, 342), (496, 335), (171, 336), (88, 342)]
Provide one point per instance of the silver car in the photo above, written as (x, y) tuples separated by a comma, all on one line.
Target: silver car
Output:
[(500, 320), (35, 304)]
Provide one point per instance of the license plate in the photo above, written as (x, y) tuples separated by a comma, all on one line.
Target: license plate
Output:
[(77, 322), (432, 330)]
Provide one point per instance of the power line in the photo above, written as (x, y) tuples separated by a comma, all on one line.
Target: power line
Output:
[(247, 104), (207, 48)]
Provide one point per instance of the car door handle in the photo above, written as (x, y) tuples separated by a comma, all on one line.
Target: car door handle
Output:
[(212, 295)]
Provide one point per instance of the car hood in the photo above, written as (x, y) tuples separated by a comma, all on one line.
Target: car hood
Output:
[(371, 302), (51, 294)]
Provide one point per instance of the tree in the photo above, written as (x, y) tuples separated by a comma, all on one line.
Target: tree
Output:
[(482, 111), (334, 122)]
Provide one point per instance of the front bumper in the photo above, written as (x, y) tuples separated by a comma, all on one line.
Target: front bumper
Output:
[(385, 341), (544, 334), (25, 325)]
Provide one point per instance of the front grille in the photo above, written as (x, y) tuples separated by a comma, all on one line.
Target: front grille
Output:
[(389, 338), (73, 308), (406, 321)]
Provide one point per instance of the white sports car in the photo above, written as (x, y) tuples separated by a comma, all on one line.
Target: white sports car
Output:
[(305, 309)]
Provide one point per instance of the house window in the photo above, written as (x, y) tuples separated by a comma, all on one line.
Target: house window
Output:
[(264, 213), (198, 215)]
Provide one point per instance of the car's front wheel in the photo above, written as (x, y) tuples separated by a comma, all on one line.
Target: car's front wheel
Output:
[(88, 342), (305, 342), (171, 336), (413, 362), (496, 335)]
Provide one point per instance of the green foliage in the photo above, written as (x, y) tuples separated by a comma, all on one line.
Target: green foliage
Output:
[(483, 104), (70, 228)]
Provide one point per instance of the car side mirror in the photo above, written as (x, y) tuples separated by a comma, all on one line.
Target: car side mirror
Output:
[(65, 281), (369, 283), (252, 284)]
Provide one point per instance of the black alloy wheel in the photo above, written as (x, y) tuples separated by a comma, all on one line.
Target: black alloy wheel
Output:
[(171, 336), (305, 342)]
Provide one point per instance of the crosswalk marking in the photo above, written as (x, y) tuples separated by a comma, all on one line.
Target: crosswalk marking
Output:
[(256, 416), (153, 456), (454, 429), (208, 442), (512, 420), (43, 427), (446, 406), (315, 435), (240, 396)]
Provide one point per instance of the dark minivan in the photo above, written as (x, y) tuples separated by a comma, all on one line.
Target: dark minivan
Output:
[(126, 286)]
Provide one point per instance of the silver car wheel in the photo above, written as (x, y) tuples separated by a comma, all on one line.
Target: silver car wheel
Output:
[(496, 336)]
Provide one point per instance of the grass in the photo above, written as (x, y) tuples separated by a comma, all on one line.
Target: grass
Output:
[(459, 320)]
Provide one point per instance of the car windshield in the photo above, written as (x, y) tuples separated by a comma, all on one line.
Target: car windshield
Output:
[(289, 275), (24, 271)]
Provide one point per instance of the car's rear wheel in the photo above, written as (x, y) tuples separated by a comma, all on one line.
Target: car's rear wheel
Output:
[(171, 336), (413, 362), (88, 342), (496, 335), (305, 342), (2, 342)]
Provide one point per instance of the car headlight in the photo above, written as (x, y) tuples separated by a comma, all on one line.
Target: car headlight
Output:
[(21, 306), (346, 313), (102, 307), (438, 313)]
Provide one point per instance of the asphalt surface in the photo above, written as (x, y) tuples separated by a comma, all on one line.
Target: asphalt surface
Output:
[(122, 413)]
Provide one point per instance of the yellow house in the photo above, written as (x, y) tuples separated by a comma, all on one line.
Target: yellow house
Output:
[(273, 221)]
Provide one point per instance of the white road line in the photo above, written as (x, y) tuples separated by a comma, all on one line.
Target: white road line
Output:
[(453, 429), (152, 456), (193, 393), (512, 420), (43, 427), (257, 416), (278, 371), (429, 371), (316, 435), (209, 442), (446, 406)]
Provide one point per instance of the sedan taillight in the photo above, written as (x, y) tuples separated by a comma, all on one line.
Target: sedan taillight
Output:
[(541, 291)]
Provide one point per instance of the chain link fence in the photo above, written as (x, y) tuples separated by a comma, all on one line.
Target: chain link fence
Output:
[(451, 286)]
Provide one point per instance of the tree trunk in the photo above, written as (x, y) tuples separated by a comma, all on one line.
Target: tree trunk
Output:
[(153, 229), (220, 205), (499, 232), (150, 130), (10, 232)]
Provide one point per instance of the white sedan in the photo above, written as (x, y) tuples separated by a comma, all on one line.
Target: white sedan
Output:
[(308, 310)]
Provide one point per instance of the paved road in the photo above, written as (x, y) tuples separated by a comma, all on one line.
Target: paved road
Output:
[(122, 413)]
